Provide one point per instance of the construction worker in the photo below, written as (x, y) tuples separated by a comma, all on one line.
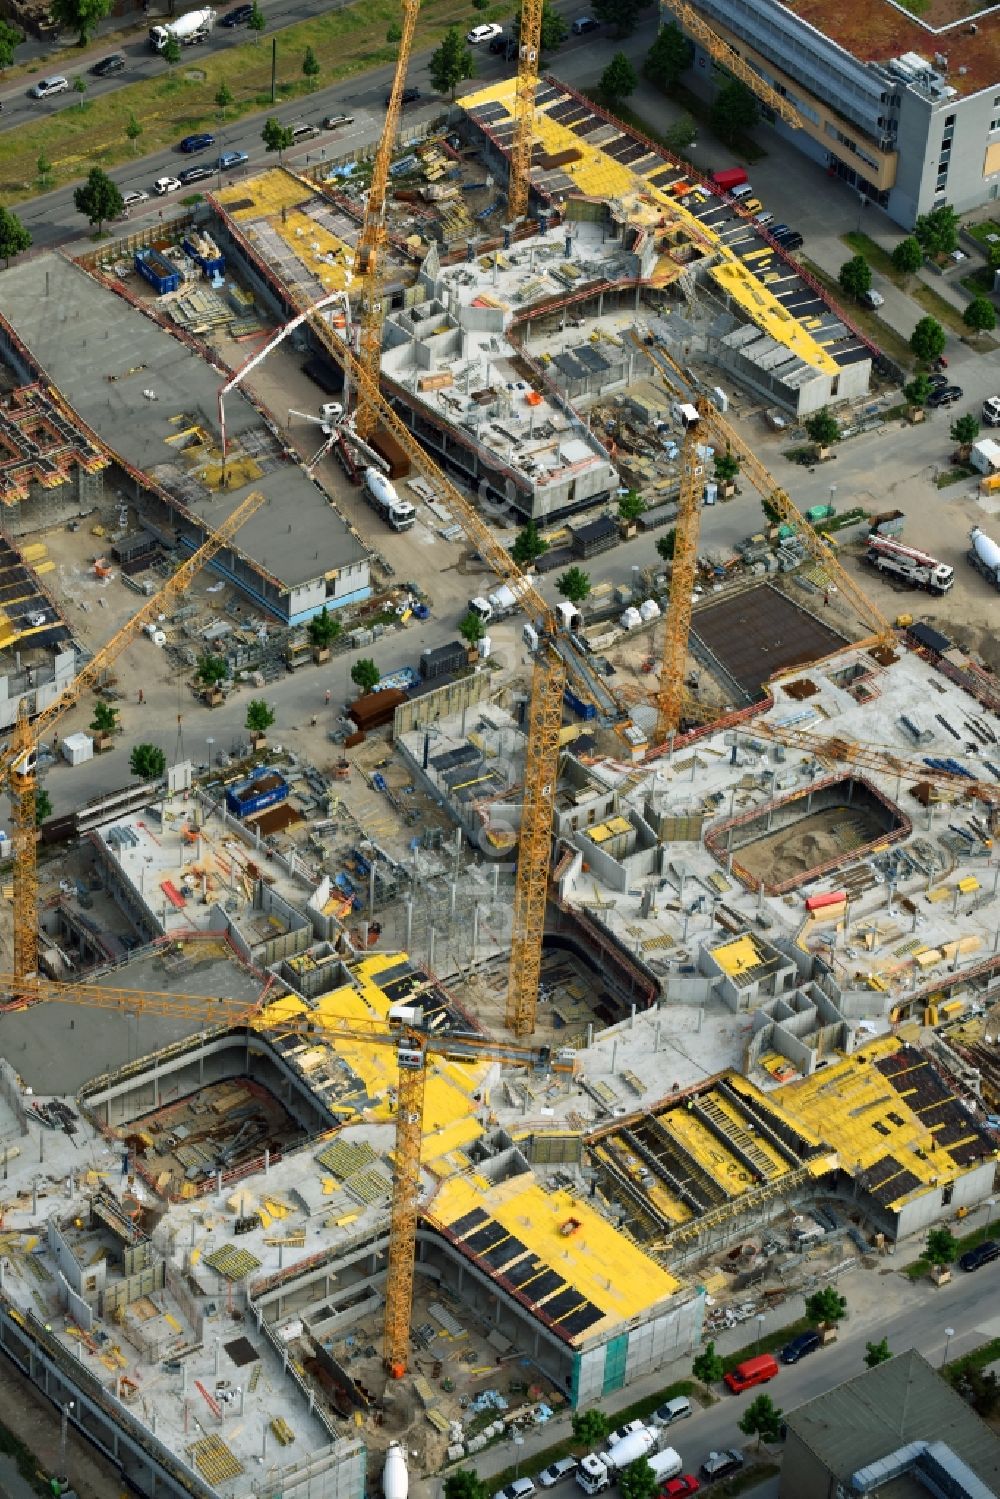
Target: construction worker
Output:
[(326, 697)]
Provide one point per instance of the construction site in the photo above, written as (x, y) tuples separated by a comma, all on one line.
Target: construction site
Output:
[(470, 1050)]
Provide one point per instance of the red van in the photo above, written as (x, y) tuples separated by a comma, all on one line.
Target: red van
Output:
[(731, 177), (752, 1371)]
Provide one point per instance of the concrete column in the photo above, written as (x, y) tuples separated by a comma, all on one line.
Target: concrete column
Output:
[(371, 889), (409, 923), (614, 1053), (452, 899), (430, 949), (475, 932), (631, 1019), (267, 1159)]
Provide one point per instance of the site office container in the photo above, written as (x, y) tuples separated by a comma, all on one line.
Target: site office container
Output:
[(752, 1371), (376, 708), (730, 178)]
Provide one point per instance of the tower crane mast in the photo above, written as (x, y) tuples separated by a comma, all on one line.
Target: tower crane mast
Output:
[(18, 768), (522, 145), (726, 55)]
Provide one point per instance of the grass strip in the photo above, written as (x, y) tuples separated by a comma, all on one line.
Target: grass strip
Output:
[(347, 42), (918, 1268)]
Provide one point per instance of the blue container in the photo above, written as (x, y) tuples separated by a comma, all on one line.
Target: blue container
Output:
[(265, 788), (576, 705), (157, 270)]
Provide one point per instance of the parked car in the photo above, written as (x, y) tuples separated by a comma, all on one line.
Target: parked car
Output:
[(480, 34), (806, 1342), (551, 1475), (982, 1254), (410, 96), (872, 298), (584, 24), (166, 185), (671, 1411), (751, 205), (334, 122), (46, 87), (194, 174), (944, 395), (521, 1488), (192, 143), (238, 16), (133, 199), (230, 159), (679, 1488), (721, 1464), (991, 411), (113, 63), (938, 381), (499, 42)]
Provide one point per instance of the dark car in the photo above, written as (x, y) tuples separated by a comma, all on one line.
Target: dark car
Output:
[(806, 1342), (721, 1464), (192, 143), (113, 63), (938, 382), (944, 395), (583, 24), (790, 239), (410, 96), (499, 43), (334, 122), (194, 174), (238, 16), (974, 1259)]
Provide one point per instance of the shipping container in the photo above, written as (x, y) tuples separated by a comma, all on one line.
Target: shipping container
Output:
[(395, 456), (577, 705), (375, 708), (732, 177), (263, 789), (443, 660)]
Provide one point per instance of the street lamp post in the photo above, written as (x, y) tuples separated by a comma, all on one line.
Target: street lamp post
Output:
[(518, 1444), (63, 1434), (209, 742), (760, 1328), (949, 1333), (991, 1203)]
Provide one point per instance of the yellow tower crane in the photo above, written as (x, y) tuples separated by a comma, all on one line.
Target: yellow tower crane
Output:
[(529, 45), (412, 1048), (726, 55), (18, 768), (369, 256), (703, 424)]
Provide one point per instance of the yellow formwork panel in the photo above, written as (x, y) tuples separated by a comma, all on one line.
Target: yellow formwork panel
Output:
[(566, 1233), (277, 195), (738, 956)]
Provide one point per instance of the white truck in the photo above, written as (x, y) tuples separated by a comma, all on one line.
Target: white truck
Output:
[(382, 497), (503, 601), (984, 554), (592, 1475), (917, 568), (192, 27), (637, 1444)]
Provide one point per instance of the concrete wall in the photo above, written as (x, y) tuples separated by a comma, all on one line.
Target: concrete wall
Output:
[(930, 1207), (802, 1472)]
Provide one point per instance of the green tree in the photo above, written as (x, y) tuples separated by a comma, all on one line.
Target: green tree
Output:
[(574, 584), (762, 1419), (81, 16), (980, 1388), (727, 466), (310, 67), (623, 15), (43, 167), (555, 28), (928, 340), (937, 232), (618, 79), (212, 670), (877, 1353), (80, 87), (666, 544), (590, 1427), (669, 56), (465, 1484), (980, 315), (855, 276), (257, 22), (223, 97), (826, 1306), (99, 198), (907, 256), (365, 674), (631, 506), (171, 51), (681, 135), (148, 762), (637, 1480), (133, 130), (451, 63), (14, 238), (941, 1248), (323, 629), (260, 716), (43, 806), (528, 545), (918, 391), (393, 33), (472, 629), (10, 38), (964, 431), (822, 428), (993, 257), (105, 719), (734, 113), (707, 1366), (276, 136)]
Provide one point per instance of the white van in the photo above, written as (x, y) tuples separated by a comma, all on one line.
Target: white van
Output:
[(665, 1464), (742, 190), (46, 87)]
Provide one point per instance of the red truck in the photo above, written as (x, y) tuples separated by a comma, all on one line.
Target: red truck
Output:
[(752, 1371), (724, 182)]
